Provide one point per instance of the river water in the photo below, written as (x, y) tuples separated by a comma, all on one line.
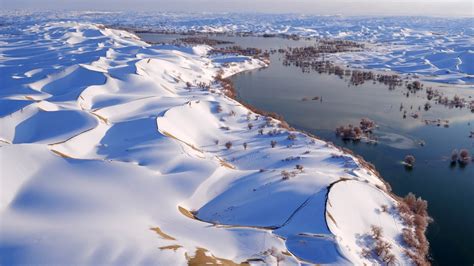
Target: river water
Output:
[(448, 189)]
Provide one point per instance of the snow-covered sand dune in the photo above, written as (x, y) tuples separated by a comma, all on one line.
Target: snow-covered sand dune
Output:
[(107, 156), (438, 49)]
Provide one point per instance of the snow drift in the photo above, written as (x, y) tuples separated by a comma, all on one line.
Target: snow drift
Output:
[(108, 157)]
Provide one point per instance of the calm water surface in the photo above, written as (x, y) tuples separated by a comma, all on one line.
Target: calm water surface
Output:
[(449, 190)]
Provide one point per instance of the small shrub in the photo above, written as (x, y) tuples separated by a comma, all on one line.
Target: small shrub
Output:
[(384, 208), (390, 259), (357, 131), (454, 156), (409, 237), (228, 144), (410, 200), (245, 145), (366, 253), (273, 143), (407, 218), (409, 161), (260, 131), (299, 167), (464, 156), (291, 136), (273, 132), (427, 106), (382, 248), (367, 125), (285, 175), (291, 158), (376, 232), (250, 126)]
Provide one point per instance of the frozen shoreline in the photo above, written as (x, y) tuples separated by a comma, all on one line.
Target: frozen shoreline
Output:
[(105, 140)]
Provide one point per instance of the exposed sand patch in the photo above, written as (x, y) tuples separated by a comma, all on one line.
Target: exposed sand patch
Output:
[(204, 257), (162, 234)]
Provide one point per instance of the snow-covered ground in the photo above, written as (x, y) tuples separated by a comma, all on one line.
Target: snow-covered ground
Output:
[(107, 156), (439, 49)]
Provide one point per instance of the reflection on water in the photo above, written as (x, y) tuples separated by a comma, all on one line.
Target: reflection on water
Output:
[(449, 190)]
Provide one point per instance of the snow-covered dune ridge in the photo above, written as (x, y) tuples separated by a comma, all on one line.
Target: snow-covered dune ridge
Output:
[(438, 49), (114, 151)]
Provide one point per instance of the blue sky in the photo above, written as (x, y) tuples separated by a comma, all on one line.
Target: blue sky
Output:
[(321, 7)]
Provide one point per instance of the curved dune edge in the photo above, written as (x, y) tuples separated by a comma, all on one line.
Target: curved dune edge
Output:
[(176, 173)]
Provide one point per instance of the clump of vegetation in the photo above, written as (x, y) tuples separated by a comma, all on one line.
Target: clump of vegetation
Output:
[(287, 174), (245, 145), (260, 131), (464, 157), (274, 132), (196, 40), (291, 136), (454, 156), (366, 253), (367, 125), (291, 158), (299, 167), (356, 133), (235, 49), (409, 161), (273, 143), (376, 232), (427, 106), (228, 144), (414, 212), (380, 247), (250, 126), (414, 86), (227, 85), (349, 133)]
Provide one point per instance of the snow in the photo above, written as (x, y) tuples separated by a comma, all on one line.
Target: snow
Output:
[(443, 47), (106, 157)]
